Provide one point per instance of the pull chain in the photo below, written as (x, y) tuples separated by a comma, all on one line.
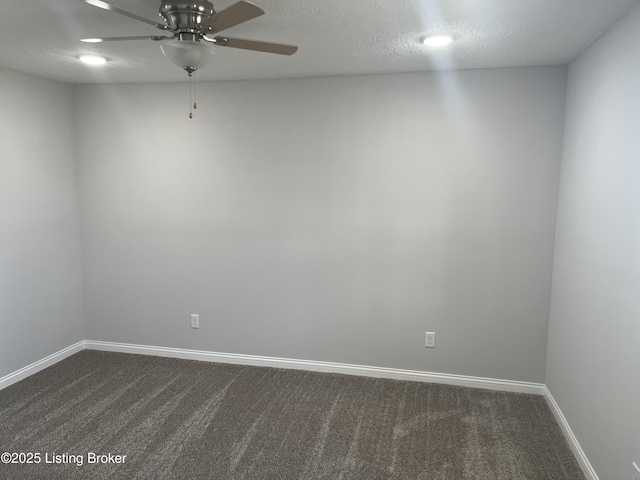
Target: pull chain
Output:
[(190, 94), (195, 105), (192, 90)]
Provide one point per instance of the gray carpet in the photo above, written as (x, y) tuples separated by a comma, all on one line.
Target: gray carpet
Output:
[(183, 419)]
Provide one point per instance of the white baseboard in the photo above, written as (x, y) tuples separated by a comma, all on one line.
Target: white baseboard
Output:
[(587, 469), (41, 364), (317, 366)]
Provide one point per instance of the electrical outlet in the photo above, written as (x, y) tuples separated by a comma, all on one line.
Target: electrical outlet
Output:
[(195, 321), (636, 471), (430, 339)]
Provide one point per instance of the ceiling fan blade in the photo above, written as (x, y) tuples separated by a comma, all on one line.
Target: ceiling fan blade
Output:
[(115, 39), (235, 14), (113, 8), (279, 48), (268, 47)]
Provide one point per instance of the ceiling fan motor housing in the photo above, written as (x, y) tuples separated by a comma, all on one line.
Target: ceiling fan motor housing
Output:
[(183, 15)]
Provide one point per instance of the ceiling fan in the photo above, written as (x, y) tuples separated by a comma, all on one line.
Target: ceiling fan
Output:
[(189, 24)]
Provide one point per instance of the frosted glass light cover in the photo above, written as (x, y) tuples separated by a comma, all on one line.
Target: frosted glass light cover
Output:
[(184, 53)]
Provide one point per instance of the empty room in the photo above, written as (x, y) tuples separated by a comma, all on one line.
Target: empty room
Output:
[(356, 240)]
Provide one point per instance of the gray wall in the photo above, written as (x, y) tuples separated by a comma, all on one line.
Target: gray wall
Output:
[(594, 333), (331, 219), (40, 270)]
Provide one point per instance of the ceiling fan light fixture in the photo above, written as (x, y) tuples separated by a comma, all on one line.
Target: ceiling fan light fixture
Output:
[(187, 54), (92, 59), (437, 40)]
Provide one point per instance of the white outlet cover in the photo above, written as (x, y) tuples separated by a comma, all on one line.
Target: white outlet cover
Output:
[(195, 321), (429, 339)]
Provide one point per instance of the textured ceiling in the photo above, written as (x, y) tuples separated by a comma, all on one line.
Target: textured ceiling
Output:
[(336, 37)]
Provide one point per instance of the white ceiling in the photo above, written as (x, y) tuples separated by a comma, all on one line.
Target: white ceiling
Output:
[(336, 37)]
